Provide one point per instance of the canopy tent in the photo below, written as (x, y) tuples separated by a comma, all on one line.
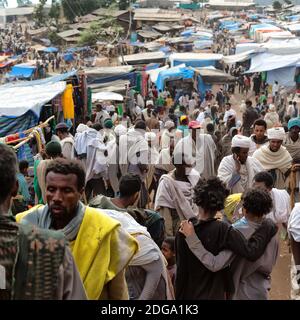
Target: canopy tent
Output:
[(46, 81), (195, 60), (179, 72), (238, 57), (145, 57), (155, 72), (268, 61), (22, 71), (107, 96), (212, 75), (15, 103)]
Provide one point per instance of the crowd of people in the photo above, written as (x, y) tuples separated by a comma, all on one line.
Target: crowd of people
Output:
[(164, 186)]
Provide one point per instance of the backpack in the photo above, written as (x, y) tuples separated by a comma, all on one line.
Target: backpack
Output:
[(152, 220)]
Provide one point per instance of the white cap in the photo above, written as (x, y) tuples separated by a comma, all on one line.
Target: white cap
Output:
[(240, 141), (149, 103)]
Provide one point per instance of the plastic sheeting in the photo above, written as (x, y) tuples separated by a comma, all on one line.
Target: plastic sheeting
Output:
[(195, 59), (22, 71), (173, 73), (268, 61), (54, 79), (284, 76), (155, 72), (17, 102)]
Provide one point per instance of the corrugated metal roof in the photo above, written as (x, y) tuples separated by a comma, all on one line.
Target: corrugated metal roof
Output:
[(17, 11), (68, 33), (88, 18), (108, 12), (148, 34), (156, 15)]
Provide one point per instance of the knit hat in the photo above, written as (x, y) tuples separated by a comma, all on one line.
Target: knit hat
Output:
[(108, 123), (61, 125), (295, 122), (53, 148)]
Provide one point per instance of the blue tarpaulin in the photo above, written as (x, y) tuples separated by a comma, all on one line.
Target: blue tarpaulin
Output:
[(50, 50), (68, 57), (196, 63), (21, 71), (173, 73), (152, 66), (60, 77)]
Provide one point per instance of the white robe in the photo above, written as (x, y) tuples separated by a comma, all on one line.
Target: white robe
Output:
[(281, 206), (203, 153), (228, 167)]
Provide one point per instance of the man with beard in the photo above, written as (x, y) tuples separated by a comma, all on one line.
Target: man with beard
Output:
[(36, 264), (275, 158), (238, 170), (100, 247)]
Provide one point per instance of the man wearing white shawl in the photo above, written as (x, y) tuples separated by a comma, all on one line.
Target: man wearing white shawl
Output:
[(133, 156), (202, 148), (238, 170), (275, 158), (174, 197), (93, 153)]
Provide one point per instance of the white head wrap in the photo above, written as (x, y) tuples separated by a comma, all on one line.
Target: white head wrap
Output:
[(169, 124), (149, 102), (240, 141), (150, 136), (276, 133), (81, 127), (120, 130)]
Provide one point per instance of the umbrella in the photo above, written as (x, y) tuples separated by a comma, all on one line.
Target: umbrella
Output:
[(111, 96)]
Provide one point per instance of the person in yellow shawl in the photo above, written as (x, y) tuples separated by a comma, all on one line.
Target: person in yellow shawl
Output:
[(100, 247)]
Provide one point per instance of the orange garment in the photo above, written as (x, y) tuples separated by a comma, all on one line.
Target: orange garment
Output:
[(67, 102)]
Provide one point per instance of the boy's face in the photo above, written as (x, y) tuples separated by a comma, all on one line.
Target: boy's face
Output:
[(167, 252)]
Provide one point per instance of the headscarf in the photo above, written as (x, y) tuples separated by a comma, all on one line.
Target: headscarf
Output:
[(295, 122)]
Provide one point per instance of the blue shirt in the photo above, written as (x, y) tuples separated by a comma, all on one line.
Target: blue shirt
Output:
[(23, 187)]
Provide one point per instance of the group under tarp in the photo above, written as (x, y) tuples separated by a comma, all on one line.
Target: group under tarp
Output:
[(195, 60), (175, 73), (15, 103)]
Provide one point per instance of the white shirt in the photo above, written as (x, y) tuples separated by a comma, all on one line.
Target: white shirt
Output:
[(201, 117), (229, 113), (192, 105)]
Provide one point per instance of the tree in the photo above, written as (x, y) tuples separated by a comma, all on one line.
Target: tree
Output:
[(55, 11), (38, 14), (76, 8), (277, 5), (23, 3), (106, 29), (288, 2), (123, 4)]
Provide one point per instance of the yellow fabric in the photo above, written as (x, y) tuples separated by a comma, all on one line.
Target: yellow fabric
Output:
[(21, 215), (101, 250), (230, 204), (67, 102)]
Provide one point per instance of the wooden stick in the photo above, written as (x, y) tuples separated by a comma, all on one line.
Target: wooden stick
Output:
[(42, 125)]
